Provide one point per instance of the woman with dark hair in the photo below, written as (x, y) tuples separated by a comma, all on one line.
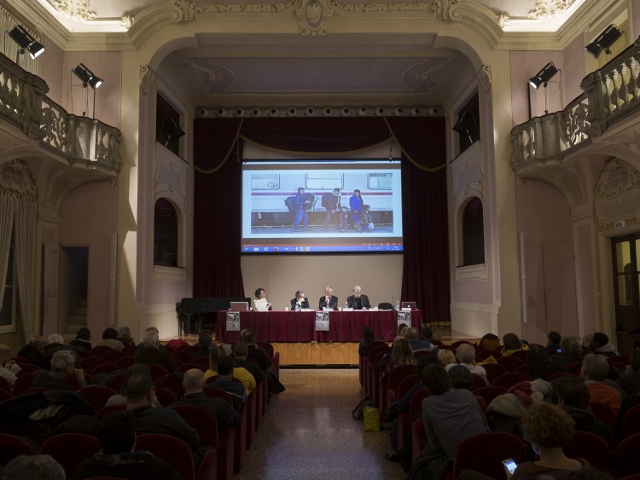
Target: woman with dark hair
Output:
[(110, 339), (355, 203), (82, 339), (368, 336), (260, 302), (135, 369), (540, 366), (512, 344), (450, 416)]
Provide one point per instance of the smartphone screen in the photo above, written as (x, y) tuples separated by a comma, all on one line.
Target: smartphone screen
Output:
[(510, 464)]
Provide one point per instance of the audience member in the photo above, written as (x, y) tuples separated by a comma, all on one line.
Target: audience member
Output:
[(368, 336), (194, 383), (427, 334), (594, 372), (140, 393), (401, 354), (110, 339), (240, 360), (205, 341), (225, 382), (216, 353), (571, 352), (414, 340), (256, 353), (505, 411), (449, 416), (55, 343), (119, 457), (62, 369), (630, 380), (446, 357), (141, 346), (124, 335), (600, 345), (461, 377), (151, 353), (8, 369), (33, 350), (465, 354), (540, 366), (512, 344), (121, 398), (32, 467), (553, 342), (548, 428), (573, 397), (82, 339), (490, 341), (402, 330)]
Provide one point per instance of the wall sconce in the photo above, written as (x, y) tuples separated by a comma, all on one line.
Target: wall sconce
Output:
[(25, 42), (87, 77), (604, 41), (466, 125)]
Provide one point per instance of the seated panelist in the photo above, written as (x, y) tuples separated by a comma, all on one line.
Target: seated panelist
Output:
[(328, 300), (299, 302), (358, 301)]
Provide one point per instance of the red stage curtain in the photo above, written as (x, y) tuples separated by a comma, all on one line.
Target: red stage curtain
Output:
[(218, 182)]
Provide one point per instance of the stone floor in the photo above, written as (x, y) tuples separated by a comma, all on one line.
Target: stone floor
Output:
[(308, 433)]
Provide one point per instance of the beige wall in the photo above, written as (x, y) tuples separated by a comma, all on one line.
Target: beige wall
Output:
[(51, 65)]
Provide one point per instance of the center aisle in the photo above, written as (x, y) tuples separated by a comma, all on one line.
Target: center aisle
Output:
[(308, 433)]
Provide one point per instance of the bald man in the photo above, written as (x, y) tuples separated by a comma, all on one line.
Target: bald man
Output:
[(193, 383)]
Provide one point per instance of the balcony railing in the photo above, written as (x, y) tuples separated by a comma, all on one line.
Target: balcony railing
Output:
[(610, 95), (80, 141)]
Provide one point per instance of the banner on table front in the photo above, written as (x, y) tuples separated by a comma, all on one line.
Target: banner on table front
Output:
[(322, 321), (233, 321)]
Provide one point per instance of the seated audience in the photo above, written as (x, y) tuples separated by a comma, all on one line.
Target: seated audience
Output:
[(240, 360), (449, 416), (490, 341), (414, 340), (121, 398), (600, 345), (8, 369), (539, 365), (151, 353), (466, 354), (573, 398), (571, 352), (553, 342), (193, 384), (119, 457), (140, 393), (124, 335), (401, 354), (446, 357), (505, 411), (62, 369), (594, 373), (512, 344), (216, 353), (110, 339), (33, 350), (82, 339), (368, 336), (239, 373), (141, 345), (427, 334), (225, 382), (205, 340), (33, 467), (55, 343), (256, 352), (548, 428), (630, 380)]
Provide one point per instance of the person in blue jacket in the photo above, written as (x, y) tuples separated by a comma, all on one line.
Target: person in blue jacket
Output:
[(301, 214), (355, 203)]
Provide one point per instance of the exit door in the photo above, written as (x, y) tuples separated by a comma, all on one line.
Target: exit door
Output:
[(625, 274)]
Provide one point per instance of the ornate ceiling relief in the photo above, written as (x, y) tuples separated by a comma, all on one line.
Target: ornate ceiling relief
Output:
[(16, 177), (77, 10), (313, 16), (186, 11), (617, 192), (549, 8)]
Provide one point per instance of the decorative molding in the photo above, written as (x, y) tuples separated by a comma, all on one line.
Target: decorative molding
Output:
[(148, 79), (76, 10), (182, 11), (471, 273), (504, 20), (16, 177), (484, 78), (126, 21), (446, 9), (169, 274), (616, 178), (313, 16), (385, 7), (549, 8)]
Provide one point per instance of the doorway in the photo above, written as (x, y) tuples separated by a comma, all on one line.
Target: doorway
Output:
[(74, 281), (625, 251)]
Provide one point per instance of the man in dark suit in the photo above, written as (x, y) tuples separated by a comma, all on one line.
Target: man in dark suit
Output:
[(299, 302), (151, 353), (328, 301), (358, 301)]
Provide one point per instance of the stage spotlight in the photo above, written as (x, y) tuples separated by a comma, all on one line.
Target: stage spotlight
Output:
[(86, 76), (170, 130), (604, 41), (25, 42), (543, 76), (466, 125)]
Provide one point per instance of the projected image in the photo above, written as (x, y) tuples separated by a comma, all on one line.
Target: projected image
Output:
[(322, 206)]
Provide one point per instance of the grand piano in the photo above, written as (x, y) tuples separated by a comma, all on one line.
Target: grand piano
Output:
[(191, 311)]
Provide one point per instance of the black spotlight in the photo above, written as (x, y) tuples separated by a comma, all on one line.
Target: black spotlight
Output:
[(543, 76), (604, 41), (25, 42), (170, 131), (466, 125), (86, 76)]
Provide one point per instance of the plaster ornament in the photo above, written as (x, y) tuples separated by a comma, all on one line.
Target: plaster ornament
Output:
[(147, 79), (182, 11), (504, 20), (445, 9), (549, 8), (313, 17), (16, 177), (126, 22), (77, 10), (484, 78)]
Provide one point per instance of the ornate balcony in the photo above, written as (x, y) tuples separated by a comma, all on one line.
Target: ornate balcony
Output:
[(611, 96), (78, 142)]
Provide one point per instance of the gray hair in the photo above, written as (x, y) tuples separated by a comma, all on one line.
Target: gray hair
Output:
[(465, 353), (595, 367), (123, 331), (193, 380), (357, 289), (55, 338), (151, 338), (4, 351), (61, 360), (412, 334), (33, 467), (137, 387)]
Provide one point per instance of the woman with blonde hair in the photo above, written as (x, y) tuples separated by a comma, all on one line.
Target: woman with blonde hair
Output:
[(401, 354), (446, 357)]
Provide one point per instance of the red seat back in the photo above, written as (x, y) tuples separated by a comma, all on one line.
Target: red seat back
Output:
[(22, 383), (202, 420), (96, 395), (510, 379), (485, 452), (100, 350), (11, 447), (112, 356), (494, 370), (489, 393), (70, 449), (106, 368), (89, 363), (172, 450), (165, 396), (125, 362), (630, 422), (111, 408), (189, 366), (589, 446), (510, 363), (623, 460)]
